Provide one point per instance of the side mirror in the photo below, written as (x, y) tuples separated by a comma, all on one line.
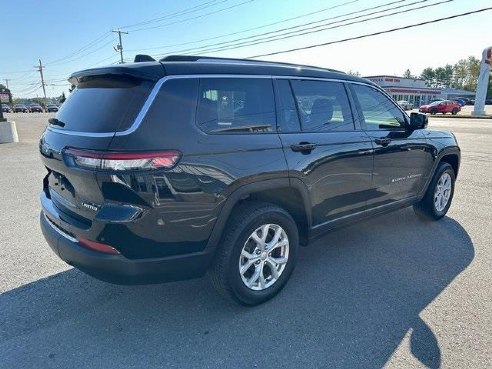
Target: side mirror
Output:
[(418, 121)]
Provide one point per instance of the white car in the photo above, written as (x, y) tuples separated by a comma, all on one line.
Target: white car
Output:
[(405, 105)]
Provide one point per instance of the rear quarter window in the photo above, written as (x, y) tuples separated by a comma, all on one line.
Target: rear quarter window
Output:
[(104, 104), (236, 105)]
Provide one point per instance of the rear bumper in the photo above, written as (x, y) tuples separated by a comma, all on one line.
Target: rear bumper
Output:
[(120, 270)]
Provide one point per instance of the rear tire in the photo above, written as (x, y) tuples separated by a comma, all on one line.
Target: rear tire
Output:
[(244, 270), (455, 111), (439, 195)]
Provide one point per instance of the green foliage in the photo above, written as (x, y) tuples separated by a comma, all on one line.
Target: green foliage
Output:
[(408, 74), (428, 76), (354, 73), (2, 86), (462, 75)]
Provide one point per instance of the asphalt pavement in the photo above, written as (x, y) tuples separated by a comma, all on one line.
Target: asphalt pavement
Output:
[(391, 292)]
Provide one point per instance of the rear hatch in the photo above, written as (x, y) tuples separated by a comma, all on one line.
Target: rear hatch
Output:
[(103, 103)]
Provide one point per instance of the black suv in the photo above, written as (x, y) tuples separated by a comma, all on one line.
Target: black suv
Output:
[(167, 170)]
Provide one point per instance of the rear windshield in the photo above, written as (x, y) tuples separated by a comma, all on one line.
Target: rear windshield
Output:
[(104, 104)]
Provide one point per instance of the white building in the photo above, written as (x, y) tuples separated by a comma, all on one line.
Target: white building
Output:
[(416, 90)]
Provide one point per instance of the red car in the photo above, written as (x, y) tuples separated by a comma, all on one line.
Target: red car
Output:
[(443, 106)]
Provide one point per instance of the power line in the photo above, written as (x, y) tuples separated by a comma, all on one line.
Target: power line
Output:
[(101, 61), (67, 61), (193, 18), (254, 28), (296, 26), (315, 29), (82, 49), (18, 71), (373, 34), (175, 14), (28, 91)]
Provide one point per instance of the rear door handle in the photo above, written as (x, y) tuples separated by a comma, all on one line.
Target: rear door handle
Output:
[(303, 147), (383, 141)]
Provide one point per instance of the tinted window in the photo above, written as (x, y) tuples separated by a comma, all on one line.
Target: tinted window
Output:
[(288, 117), (104, 105), (236, 105), (378, 111), (323, 106)]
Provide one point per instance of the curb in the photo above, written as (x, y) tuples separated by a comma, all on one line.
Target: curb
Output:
[(460, 116)]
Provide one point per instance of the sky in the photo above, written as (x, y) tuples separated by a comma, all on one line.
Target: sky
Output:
[(73, 35)]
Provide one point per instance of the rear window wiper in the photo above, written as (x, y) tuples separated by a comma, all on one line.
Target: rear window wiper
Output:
[(56, 122)]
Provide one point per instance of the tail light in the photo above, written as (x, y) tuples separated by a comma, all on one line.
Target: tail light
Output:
[(101, 160)]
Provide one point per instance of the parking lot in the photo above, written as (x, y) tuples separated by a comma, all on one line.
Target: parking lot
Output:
[(391, 292)]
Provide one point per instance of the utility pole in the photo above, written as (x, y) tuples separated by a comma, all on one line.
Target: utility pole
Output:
[(40, 70), (119, 47), (7, 83)]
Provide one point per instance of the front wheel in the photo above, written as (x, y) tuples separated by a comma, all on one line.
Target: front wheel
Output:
[(437, 199), (257, 253)]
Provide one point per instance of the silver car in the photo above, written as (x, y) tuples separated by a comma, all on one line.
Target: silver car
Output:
[(405, 105)]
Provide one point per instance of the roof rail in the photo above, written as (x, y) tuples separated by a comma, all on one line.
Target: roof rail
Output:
[(211, 59)]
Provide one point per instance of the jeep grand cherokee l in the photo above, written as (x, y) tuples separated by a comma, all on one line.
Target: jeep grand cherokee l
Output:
[(168, 170)]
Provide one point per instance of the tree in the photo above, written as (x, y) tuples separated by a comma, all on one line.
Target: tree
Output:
[(473, 69), (428, 76), (439, 77), (448, 75), (2, 86), (460, 73), (354, 73), (62, 98), (408, 74)]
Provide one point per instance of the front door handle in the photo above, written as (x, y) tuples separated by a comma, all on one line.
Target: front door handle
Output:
[(385, 141), (304, 147)]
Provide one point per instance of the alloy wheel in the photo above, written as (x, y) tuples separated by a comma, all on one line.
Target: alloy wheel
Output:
[(442, 193), (264, 257)]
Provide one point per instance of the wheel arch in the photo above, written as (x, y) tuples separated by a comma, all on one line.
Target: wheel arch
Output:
[(289, 194), (452, 159), (450, 155)]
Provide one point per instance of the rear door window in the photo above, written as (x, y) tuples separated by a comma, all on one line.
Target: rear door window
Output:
[(323, 106), (236, 105), (104, 104)]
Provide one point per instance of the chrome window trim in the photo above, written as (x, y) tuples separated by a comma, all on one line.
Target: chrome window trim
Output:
[(155, 90)]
